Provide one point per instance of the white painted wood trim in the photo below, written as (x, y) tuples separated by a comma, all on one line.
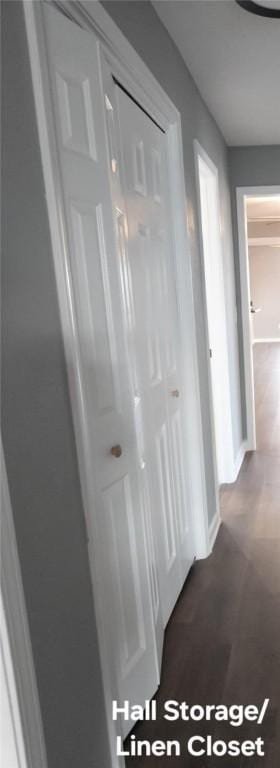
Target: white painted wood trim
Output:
[(239, 459), (19, 638), (258, 242), (241, 194), (216, 522), (195, 452), (199, 152), (214, 530), (246, 323), (129, 67)]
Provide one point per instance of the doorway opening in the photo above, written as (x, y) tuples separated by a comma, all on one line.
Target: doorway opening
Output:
[(259, 248)]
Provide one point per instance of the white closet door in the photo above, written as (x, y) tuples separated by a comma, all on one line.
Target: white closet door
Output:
[(149, 290), (119, 207), (122, 549)]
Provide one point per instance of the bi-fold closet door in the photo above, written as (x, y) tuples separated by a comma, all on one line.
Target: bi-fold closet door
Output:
[(117, 236), (140, 193)]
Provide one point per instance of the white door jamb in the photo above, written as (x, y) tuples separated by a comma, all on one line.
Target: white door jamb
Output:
[(225, 451)]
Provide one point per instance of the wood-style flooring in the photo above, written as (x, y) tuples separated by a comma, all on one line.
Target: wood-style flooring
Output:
[(222, 643)]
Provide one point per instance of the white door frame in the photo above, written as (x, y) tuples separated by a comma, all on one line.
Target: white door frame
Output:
[(241, 194), (130, 70), (224, 452)]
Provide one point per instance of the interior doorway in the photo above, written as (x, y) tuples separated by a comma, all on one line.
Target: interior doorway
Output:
[(211, 246), (259, 249)]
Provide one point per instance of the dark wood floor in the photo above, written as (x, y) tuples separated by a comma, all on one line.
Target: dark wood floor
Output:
[(223, 640)]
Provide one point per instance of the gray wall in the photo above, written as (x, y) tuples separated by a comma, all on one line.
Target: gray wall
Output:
[(254, 166), (142, 27), (39, 443), (249, 167)]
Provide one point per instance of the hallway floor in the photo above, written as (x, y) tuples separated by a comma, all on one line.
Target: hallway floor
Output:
[(223, 640)]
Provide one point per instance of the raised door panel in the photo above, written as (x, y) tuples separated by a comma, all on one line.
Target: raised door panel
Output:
[(76, 114), (90, 270), (214, 319), (165, 489), (139, 169), (182, 503), (164, 287), (143, 272), (122, 565)]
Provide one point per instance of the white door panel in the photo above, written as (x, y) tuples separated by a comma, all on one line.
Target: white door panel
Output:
[(151, 281), (142, 352), (124, 553)]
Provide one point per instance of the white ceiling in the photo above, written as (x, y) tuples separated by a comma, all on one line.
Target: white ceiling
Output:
[(263, 208), (234, 58)]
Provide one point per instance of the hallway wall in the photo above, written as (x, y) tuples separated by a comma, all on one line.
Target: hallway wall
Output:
[(254, 166), (249, 167), (142, 27)]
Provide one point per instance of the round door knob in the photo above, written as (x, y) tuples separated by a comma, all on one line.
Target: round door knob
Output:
[(116, 451), (175, 393)]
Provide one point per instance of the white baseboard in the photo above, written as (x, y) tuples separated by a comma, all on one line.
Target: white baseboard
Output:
[(236, 464), (239, 459), (216, 522), (213, 531), (268, 341)]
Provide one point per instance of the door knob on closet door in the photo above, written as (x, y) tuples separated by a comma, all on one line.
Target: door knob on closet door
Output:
[(116, 451), (175, 393)]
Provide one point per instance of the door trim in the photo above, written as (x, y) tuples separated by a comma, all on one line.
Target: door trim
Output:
[(228, 462), (33, 752), (127, 66), (241, 194)]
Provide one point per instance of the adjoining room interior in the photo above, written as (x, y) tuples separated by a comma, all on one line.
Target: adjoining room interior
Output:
[(258, 214), (263, 233)]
